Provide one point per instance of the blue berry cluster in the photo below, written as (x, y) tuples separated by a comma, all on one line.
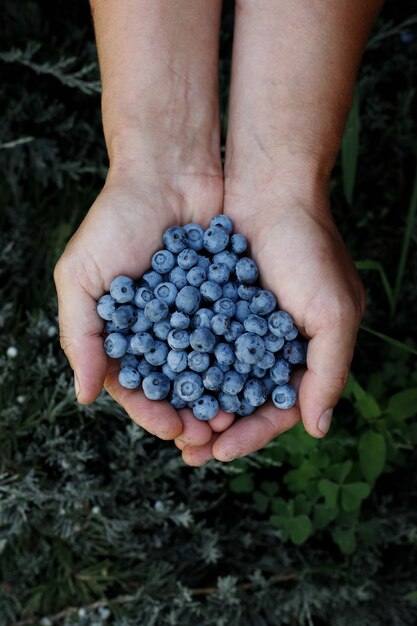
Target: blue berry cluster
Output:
[(199, 330)]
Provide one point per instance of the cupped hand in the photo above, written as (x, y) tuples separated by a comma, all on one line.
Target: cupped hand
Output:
[(304, 261), (120, 233)]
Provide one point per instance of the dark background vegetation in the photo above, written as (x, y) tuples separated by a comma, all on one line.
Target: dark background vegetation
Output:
[(101, 523)]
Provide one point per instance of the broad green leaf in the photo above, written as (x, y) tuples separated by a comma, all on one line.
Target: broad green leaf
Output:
[(403, 404), (242, 483), (298, 479), (261, 501), (350, 149), (323, 515), (345, 539), (339, 471), (283, 523), (269, 487), (279, 506), (365, 403), (300, 529), (302, 506), (330, 491), (372, 454), (353, 494)]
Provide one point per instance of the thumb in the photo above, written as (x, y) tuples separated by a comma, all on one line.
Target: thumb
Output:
[(80, 334), (329, 355)]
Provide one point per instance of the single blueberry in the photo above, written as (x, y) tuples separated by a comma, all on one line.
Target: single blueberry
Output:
[(263, 302), (175, 239), (220, 324), (267, 360), (211, 291), (242, 368), (230, 291), (227, 258), (188, 300), (256, 324), (292, 334), (178, 277), (177, 402), (161, 329), (203, 317), (238, 243), (280, 323), (129, 378), (195, 234), (143, 295), (152, 279), (106, 306), (295, 352), (233, 383), (250, 348), (247, 271), (179, 320), (129, 360), (145, 368), (225, 306), (196, 276), (216, 239), (246, 292), (268, 384), (178, 339), (115, 345), (202, 339), (242, 310), (258, 372), (273, 343), (280, 372), (158, 354), (225, 367), (163, 261), (254, 392), (203, 262), (284, 396), (236, 329), (218, 273), (156, 386), (187, 259), (245, 408), (122, 289), (198, 361), (224, 354), (141, 343), (205, 408), (169, 372), (189, 386), (156, 310), (229, 403), (177, 360), (110, 327), (224, 221), (213, 378), (124, 316), (167, 292)]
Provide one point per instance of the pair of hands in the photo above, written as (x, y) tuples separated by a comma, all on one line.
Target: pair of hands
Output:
[(301, 257)]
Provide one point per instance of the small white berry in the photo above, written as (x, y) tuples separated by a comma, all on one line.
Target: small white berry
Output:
[(52, 331), (45, 621), (12, 352), (21, 399), (159, 506), (96, 510), (82, 612)]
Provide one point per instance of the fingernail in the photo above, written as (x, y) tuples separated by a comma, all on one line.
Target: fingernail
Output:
[(76, 385), (325, 420)]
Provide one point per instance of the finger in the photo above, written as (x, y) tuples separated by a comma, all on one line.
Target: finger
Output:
[(329, 355), (158, 418), (199, 455), (195, 432), (253, 432), (80, 335), (180, 445), (222, 421)]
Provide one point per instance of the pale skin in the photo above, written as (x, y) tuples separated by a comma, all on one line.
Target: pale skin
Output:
[(294, 68)]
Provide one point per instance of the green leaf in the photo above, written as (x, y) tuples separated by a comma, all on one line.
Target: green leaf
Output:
[(242, 483), (323, 515), (345, 539), (269, 487), (372, 454), (412, 596), (339, 471), (261, 501), (279, 506), (403, 404), (350, 149), (298, 479), (330, 491), (300, 529), (393, 342), (353, 494), (368, 531), (365, 403), (283, 523)]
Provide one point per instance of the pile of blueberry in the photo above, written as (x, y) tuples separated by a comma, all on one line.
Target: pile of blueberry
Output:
[(199, 330)]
